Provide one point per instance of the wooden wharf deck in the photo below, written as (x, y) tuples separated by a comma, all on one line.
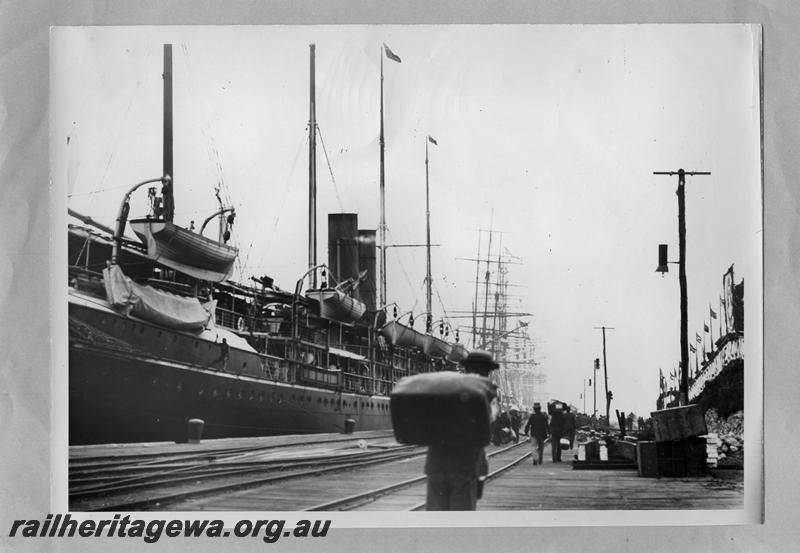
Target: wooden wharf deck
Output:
[(551, 486)]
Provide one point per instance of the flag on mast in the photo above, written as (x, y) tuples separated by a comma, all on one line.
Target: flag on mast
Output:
[(432, 140), (391, 55), (712, 312)]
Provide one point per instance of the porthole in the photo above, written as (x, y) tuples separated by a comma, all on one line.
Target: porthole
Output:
[(229, 393), (141, 330), (239, 395), (201, 391), (215, 392), (196, 344), (319, 400), (325, 402), (261, 397), (179, 387)]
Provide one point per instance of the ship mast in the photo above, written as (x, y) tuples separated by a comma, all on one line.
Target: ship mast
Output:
[(382, 223), (312, 172), (428, 299), (166, 189)]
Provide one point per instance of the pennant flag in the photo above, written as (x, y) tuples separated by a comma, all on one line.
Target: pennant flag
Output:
[(433, 140), (697, 337), (713, 314), (705, 327), (691, 347), (391, 55)]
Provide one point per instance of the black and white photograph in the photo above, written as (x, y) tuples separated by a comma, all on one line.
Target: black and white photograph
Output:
[(412, 268), (416, 276)]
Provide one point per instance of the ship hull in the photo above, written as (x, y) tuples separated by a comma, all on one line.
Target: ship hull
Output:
[(133, 381), (117, 397)]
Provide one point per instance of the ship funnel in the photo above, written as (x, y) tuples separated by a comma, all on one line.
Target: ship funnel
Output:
[(343, 245), (367, 291)]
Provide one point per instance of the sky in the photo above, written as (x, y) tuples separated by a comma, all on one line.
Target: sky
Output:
[(548, 133)]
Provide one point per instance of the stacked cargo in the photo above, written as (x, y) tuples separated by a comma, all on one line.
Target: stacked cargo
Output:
[(681, 448)]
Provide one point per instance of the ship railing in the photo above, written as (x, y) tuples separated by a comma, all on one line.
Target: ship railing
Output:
[(241, 322), (278, 369)]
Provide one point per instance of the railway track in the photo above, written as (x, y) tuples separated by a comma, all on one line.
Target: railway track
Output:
[(509, 456), (299, 476), (145, 481)]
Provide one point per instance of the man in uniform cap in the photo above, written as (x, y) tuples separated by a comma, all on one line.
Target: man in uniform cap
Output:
[(456, 473)]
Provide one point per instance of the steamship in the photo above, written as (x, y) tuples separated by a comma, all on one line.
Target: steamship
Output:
[(159, 334)]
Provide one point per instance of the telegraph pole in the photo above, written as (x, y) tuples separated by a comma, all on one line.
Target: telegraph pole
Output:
[(681, 192), (596, 368), (605, 372)]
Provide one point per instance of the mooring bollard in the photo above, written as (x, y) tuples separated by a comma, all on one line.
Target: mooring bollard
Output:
[(194, 430)]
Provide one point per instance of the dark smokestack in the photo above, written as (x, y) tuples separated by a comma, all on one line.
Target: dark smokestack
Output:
[(367, 290), (343, 245)]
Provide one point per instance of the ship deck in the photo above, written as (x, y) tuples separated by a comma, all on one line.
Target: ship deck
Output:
[(331, 472)]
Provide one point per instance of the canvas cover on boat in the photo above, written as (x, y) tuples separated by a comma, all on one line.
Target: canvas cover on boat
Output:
[(153, 305), (442, 408)]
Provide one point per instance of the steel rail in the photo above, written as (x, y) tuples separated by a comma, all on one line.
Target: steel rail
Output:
[(490, 476), (362, 498), (141, 504), (205, 471)]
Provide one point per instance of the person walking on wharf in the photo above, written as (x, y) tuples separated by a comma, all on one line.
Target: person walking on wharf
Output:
[(556, 430), (456, 473), (569, 425), (537, 427)]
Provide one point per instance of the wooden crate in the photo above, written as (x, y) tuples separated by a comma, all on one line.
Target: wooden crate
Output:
[(677, 423), (681, 458), (646, 459)]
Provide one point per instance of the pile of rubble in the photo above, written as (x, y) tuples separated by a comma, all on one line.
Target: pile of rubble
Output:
[(729, 437)]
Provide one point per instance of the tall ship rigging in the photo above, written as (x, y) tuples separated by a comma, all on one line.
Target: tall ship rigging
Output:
[(159, 334), (497, 327)]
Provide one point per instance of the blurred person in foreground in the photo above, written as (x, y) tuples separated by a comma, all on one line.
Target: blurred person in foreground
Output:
[(456, 473)]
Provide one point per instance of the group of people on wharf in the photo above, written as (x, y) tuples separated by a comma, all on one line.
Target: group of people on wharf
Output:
[(559, 428), (456, 473)]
